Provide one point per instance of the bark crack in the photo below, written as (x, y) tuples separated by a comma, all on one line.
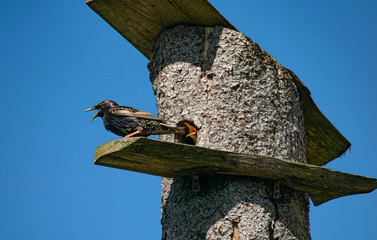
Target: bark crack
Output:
[(205, 49), (275, 216), (271, 230), (236, 230)]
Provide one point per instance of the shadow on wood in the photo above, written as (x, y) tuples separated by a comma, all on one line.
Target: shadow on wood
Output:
[(171, 160)]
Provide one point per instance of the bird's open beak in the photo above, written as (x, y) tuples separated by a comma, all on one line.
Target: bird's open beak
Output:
[(192, 130), (90, 109)]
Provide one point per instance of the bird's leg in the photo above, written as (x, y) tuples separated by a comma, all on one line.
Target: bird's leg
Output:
[(132, 134)]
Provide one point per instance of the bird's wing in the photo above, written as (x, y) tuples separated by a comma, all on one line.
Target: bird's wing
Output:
[(133, 112)]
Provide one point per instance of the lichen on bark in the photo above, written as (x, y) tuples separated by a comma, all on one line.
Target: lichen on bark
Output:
[(243, 101)]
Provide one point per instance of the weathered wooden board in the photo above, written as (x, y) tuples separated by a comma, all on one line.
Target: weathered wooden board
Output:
[(141, 22), (323, 141), (171, 159)]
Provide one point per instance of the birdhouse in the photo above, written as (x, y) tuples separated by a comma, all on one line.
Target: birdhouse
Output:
[(261, 141)]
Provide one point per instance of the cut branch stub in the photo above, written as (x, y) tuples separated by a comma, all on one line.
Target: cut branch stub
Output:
[(171, 160)]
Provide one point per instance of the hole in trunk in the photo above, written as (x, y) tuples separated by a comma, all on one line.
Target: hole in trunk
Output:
[(183, 138)]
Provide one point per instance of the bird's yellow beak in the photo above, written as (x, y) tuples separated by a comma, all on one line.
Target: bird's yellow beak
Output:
[(192, 130), (90, 109)]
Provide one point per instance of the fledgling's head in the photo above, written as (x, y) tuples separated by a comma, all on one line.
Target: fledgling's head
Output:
[(102, 108)]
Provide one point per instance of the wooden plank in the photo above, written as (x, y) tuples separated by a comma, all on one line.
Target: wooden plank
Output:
[(323, 141), (141, 22), (171, 159)]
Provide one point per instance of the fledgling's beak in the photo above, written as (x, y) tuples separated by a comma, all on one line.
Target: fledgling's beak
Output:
[(192, 130), (94, 116)]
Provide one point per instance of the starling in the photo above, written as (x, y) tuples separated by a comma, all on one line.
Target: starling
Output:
[(127, 121)]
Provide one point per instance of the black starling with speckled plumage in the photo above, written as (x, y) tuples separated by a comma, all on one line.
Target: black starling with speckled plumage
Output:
[(127, 121)]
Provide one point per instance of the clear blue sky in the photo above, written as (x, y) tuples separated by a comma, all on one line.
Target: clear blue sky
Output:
[(59, 57)]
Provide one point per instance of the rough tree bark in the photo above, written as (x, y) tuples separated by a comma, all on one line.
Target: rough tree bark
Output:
[(243, 101)]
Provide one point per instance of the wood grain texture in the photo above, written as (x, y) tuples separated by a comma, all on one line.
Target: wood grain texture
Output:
[(142, 21), (171, 160)]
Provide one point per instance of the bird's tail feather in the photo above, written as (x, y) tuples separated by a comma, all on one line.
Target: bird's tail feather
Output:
[(189, 129)]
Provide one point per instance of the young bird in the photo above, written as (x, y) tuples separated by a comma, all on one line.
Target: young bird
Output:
[(127, 121)]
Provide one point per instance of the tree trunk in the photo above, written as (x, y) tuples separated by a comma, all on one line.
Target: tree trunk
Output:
[(243, 101)]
